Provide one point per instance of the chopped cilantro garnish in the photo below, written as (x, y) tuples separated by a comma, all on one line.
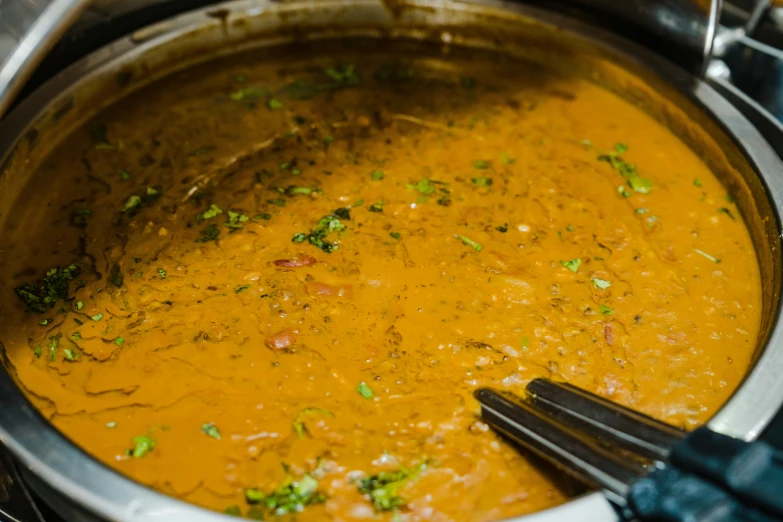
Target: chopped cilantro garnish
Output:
[(77, 321), (469, 242), (291, 497), (54, 342), (605, 310), (339, 77), (326, 225), (383, 487), (45, 322), (263, 216), (131, 203), (502, 228), (640, 184), (299, 425), (97, 317), (708, 256), (210, 233), (481, 164), (233, 511), (572, 265), (115, 276), (235, 220), (642, 210), (274, 104), (240, 289), (206, 149), (621, 148), (395, 235), (80, 217), (211, 430), (38, 297), (697, 182), (141, 446), (37, 351), (124, 174), (211, 212), (248, 93), (601, 283), (626, 170), (424, 186), (724, 210), (161, 273), (623, 191), (70, 355), (377, 207), (377, 175), (364, 390), (482, 182), (118, 341), (277, 201), (76, 336), (506, 159), (303, 191)]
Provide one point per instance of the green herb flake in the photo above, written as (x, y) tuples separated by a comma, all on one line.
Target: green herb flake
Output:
[(131, 203), (97, 317), (482, 182), (233, 511), (44, 294), (605, 310), (274, 104), (37, 351), (76, 336), (118, 341), (572, 265), (641, 211), (299, 422), (623, 191), (621, 148), (263, 216), (211, 430), (201, 151), (377, 175), (506, 159), (601, 283), (423, 186), (248, 93), (161, 273), (708, 256), (236, 220), (141, 446), (724, 210), (70, 355), (395, 235), (240, 289), (124, 174), (211, 212), (377, 207), (383, 488), (326, 225), (277, 201), (469, 242), (502, 228), (115, 276), (640, 184), (364, 391), (45, 322), (482, 164), (328, 140), (697, 182), (210, 233), (77, 321), (54, 342), (292, 497)]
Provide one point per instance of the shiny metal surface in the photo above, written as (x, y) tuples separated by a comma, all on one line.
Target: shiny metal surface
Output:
[(82, 488), (682, 30), (603, 419), (28, 29), (568, 450)]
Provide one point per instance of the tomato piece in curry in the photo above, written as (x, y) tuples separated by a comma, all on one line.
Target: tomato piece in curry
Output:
[(270, 284)]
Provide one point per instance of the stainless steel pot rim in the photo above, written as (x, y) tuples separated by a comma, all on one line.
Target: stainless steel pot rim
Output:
[(64, 467)]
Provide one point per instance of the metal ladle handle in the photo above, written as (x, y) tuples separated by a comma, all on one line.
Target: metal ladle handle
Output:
[(681, 30)]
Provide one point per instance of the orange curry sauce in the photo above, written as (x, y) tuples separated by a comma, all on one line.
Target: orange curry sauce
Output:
[(291, 272)]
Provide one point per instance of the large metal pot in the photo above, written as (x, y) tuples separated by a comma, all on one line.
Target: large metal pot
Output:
[(81, 488)]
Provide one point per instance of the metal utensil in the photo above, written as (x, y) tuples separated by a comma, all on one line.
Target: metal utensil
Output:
[(648, 469)]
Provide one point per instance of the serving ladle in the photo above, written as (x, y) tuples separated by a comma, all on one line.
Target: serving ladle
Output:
[(647, 469)]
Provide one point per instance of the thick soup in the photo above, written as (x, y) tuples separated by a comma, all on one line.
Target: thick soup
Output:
[(271, 283)]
